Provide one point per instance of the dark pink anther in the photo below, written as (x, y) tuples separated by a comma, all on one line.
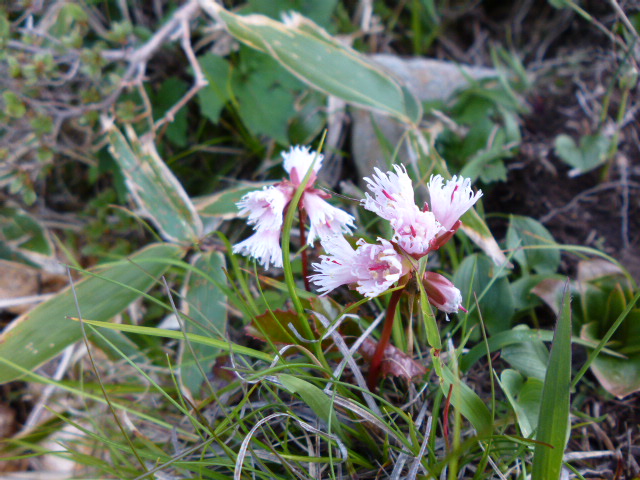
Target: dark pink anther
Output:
[(377, 267), (413, 231), (426, 207), (388, 195)]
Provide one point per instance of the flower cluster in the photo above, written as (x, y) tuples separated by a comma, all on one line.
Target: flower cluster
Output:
[(373, 268), (265, 209)]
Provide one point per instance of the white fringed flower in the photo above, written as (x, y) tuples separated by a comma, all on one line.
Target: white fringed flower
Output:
[(297, 162), (393, 200), (264, 246), (451, 200), (326, 220), (336, 268), (378, 267), (372, 268), (265, 208), (442, 293), (392, 193), (415, 230)]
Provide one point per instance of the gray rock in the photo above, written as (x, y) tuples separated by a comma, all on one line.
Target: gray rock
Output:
[(428, 80)]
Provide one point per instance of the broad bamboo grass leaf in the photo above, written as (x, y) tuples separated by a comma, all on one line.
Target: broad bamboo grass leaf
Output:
[(318, 59), (22, 234), (155, 190), (205, 305), (40, 334), (553, 420)]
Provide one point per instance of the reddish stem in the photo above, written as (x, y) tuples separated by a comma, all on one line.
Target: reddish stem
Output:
[(303, 242), (376, 361)]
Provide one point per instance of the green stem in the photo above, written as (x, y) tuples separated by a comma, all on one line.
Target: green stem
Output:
[(376, 361)]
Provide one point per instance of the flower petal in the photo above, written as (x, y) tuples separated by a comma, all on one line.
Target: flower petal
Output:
[(451, 200), (335, 269), (326, 220), (264, 207), (392, 193), (264, 246), (297, 162)]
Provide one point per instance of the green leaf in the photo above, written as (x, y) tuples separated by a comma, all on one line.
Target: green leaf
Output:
[(466, 400), (225, 345), (171, 92), (517, 335), (591, 153), (40, 334), (317, 400), (428, 318), (530, 358), (321, 61), (215, 95), (155, 190), (22, 233), (553, 427), (13, 106), (206, 305), (524, 397), (476, 275), (618, 376), (524, 235), (264, 108)]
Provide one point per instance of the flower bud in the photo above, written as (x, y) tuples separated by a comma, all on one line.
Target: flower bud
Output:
[(442, 293)]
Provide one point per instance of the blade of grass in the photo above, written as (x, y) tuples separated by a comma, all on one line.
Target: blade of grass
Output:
[(553, 423), (162, 332)]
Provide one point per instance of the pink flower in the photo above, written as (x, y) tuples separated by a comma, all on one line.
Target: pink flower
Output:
[(297, 162), (419, 231), (264, 246), (372, 269), (265, 209), (442, 293), (451, 200), (393, 193), (393, 200), (326, 220)]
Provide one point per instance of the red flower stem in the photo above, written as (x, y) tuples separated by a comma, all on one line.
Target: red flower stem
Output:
[(376, 361), (303, 242)]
